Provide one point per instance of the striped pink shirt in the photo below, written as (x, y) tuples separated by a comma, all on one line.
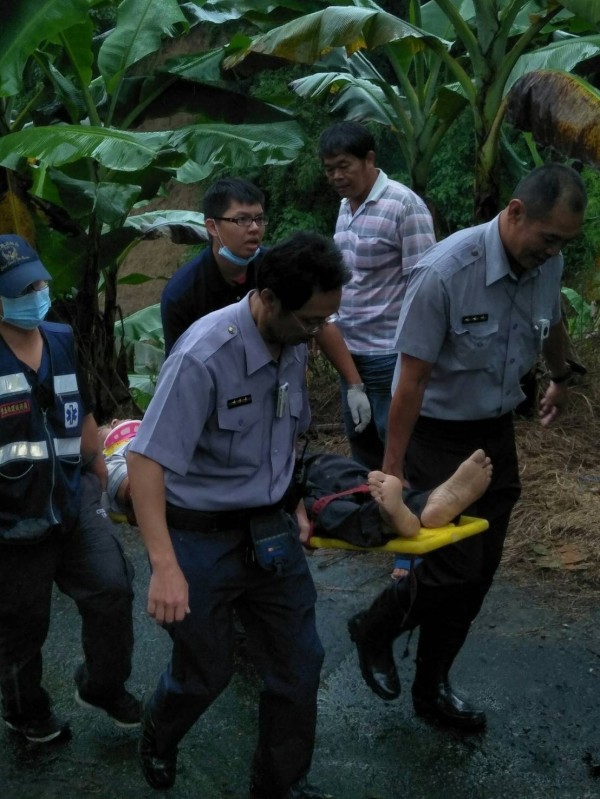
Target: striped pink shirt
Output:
[(380, 243)]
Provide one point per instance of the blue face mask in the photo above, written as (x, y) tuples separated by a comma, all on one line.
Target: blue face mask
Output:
[(26, 311), (234, 259), (225, 252)]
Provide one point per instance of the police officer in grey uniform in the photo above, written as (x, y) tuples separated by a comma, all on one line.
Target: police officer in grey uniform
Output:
[(210, 472), (479, 308)]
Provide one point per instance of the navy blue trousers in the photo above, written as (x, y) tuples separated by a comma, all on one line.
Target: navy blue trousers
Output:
[(89, 565), (278, 614)]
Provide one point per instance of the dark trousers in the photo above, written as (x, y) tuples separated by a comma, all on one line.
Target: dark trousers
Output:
[(452, 581), (278, 613), (89, 565)]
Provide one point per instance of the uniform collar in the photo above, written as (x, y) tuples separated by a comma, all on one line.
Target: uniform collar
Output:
[(257, 352), (497, 265)]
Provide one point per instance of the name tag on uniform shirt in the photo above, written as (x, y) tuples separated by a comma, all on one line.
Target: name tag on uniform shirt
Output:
[(473, 318), (237, 401)]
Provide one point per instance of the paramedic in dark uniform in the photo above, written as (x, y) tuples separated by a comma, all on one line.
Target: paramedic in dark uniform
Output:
[(479, 308), (210, 471), (52, 526)]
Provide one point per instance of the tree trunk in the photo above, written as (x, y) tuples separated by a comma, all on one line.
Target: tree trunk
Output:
[(94, 336)]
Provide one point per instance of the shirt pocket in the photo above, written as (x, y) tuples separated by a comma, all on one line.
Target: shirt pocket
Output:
[(369, 249), (239, 439), (474, 347)]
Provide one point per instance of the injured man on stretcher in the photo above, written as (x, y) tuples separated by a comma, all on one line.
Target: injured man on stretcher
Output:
[(442, 505), (342, 498)]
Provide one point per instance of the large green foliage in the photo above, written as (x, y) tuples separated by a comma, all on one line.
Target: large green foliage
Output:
[(448, 54), (73, 99), (141, 341), (298, 196)]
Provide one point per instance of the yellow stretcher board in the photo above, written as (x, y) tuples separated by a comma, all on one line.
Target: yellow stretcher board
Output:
[(426, 540)]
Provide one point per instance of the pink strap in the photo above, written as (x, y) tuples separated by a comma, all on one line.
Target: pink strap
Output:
[(323, 502)]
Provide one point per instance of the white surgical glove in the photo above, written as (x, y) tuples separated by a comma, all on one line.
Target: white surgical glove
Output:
[(358, 402)]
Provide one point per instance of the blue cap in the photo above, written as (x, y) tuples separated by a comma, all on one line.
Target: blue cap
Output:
[(19, 266)]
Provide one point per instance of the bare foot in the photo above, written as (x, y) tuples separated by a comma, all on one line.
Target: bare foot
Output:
[(386, 490), (467, 484)]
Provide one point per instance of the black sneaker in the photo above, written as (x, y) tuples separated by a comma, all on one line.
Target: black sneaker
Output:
[(41, 731), (125, 710)]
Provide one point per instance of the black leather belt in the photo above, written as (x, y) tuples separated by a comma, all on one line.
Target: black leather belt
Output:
[(200, 521), (460, 428)]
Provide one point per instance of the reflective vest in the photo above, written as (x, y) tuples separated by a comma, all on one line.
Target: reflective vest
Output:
[(40, 441)]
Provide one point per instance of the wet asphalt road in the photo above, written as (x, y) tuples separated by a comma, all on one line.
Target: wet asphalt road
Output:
[(537, 675)]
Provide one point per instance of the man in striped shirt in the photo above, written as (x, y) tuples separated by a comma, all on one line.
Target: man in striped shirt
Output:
[(382, 229)]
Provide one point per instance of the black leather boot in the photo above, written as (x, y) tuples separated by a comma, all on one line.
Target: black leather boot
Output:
[(374, 631), (300, 790), (165, 721), (159, 770), (433, 697)]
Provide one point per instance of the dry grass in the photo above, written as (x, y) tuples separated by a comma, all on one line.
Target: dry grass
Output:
[(553, 536)]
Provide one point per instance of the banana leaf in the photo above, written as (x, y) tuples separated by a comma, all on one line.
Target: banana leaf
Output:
[(559, 110)]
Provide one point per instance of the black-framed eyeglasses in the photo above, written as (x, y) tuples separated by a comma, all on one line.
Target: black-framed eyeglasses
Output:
[(312, 327), (38, 285), (245, 220)]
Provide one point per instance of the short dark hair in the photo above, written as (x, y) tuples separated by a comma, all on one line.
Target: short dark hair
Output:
[(298, 266), (547, 185), (221, 193), (346, 137)]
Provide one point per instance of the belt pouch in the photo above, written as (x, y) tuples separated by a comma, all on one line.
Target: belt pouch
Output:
[(271, 535)]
